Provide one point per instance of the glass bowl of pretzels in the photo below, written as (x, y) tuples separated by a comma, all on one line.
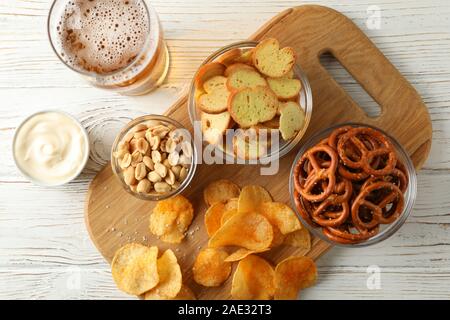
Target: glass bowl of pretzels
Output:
[(353, 185)]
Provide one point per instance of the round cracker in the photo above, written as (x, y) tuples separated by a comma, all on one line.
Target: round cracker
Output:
[(134, 268)]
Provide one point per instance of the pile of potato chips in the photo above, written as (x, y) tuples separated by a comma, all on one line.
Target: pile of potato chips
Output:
[(137, 270), (251, 222)]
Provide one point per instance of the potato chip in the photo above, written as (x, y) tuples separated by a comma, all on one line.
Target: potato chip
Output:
[(220, 191), (162, 222), (227, 215), (185, 294), (280, 215), (292, 275), (134, 268), (278, 237), (241, 253), (253, 280), (170, 278), (247, 230), (210, 268), (299, 238), (251, 198), (213, 217), (171, 218), (231, 204)]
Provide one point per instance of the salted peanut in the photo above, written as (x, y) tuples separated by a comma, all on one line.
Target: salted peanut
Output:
[(144, 186), (186, 147), (292, 119), (170, 178), (142, 145), (154, 177), (250, 106), (128, 137), (183, 173), (156, 156), (155, 142), (161, 169), (176, 171), (272, 61), (166, 163), (136, 158), (176, 185), (245, 78), (140, 172), (206, 72), (161, 131), (139, 134), (148, 162), (123, 146), (285, 88), (128, 176), (171, 145), (139, 127), (125, 162), (148, 134), (185, 161), (133, 145), (162, 145), (133, 188), (173, 158), (216, 97), (162, 187)]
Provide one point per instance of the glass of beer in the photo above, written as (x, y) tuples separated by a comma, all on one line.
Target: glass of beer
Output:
[(114, 44)]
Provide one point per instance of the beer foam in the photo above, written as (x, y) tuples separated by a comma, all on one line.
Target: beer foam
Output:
[(102, 36)]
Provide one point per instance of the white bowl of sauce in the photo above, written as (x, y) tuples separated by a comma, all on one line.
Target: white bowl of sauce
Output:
[(50, 148)]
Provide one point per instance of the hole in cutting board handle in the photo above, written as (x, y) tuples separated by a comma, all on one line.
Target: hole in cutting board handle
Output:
[(350, 85)]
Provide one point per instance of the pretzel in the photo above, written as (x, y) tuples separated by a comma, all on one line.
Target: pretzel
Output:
[(380, 215), (349, 184), (345, 236), (318, 173), (373, 146)]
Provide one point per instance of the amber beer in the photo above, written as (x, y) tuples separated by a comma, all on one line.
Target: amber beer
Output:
[(114, 44)]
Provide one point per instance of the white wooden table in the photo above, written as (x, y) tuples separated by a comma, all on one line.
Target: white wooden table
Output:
[(45, 251)]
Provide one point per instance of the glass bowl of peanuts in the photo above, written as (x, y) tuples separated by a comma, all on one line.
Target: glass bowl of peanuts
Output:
[(154, 157)]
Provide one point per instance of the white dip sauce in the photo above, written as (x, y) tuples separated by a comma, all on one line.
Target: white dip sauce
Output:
[(50, 148)]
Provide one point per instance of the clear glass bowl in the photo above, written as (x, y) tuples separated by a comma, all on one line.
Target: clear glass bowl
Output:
[(386, 231), (305, 101), (118, 171)]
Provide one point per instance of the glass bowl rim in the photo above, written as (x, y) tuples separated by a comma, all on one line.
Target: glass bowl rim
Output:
[(410, 194), (155, 197), (288, 145)]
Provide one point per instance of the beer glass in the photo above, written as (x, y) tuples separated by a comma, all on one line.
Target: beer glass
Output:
[(114, 44)]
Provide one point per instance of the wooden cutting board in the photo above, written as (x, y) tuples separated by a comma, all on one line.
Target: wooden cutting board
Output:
[(114, 218)]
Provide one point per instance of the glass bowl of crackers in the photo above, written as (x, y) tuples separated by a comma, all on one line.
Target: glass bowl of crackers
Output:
[(154, 157), (250, 102), (353, 185)]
